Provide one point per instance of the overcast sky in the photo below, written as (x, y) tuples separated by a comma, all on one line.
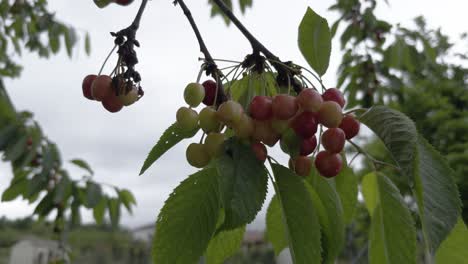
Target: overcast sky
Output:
[(116, 144)]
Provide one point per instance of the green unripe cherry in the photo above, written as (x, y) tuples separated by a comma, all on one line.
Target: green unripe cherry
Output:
[(194, 94), (290, 143), (229, 112), (244, 129), (208, 120), (214, 144), (187, 119), (197, 156)]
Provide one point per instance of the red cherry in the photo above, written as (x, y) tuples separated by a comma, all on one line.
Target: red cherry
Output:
[(334, 94), (333, 140), (284, 106), (330, 114), (260, 151), (112, 103), (350, 126), (309, 100), (210, 92), (123, 2), (102, 87), (86, 86), (305, 124), (308, 146), (261, 108), (302, 166), (328, 164)]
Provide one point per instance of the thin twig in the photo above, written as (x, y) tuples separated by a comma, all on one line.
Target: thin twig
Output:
[(136, 21), (374, 161)]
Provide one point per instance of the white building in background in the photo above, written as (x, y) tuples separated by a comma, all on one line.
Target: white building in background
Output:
[(33, 250)]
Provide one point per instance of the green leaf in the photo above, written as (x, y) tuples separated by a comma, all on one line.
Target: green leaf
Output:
[(75, 212), (46, 205), (299, 216), (93, 194), (127, 198), (392, 237), (346, 184), (99, 210), (63, 190), (224, 245), (315, 41), (82, 164), (275, 231), (114, 211), (15, 150), (397, 132), (436, 193), (87, 44), (453, 249), (243, 183), (370, 192), (16, 189), (187, 220), (169, 139), (70, 40), (328, 206)]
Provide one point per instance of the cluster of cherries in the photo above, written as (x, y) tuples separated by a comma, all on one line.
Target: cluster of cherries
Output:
[(293, 121), (113, 93)]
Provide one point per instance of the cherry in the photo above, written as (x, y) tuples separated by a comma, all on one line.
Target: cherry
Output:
[(305, 124), (328, 164), (302, 165), (309, 100), (187, 119), (86, 86), (197, 156), (279, 126), (208, 120), (290, 143), (102, 87), (261, 108), (112, 103), (284, 106), (229, 112), (129, 98), (210, 92), (260, 151), (194, 94), (123, 2), (350, 126), (330, 114), (333, 140), (245, 127), (335, 95), (308, 146), (214, 144), (264, 132)]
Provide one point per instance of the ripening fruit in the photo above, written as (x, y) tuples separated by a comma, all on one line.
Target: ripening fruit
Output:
[(302, 165), (290, 143), (101, 87), (123, 2), (112, 103), (284, 106), (328, 164), (309, 100), (214, 144), (208, 120), (261, 108), (187, 119), (330, 114), (194, 94), (279, 126), (210, 92), (305, 124), (333, 140), (197, 156), (308, 146), (229, 112), (350, 126), (245, 127), (260, 151), (263, 132), (86, 86), (129, 98), (335, 95)]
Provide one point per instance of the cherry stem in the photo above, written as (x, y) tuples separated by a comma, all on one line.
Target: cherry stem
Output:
[(257, 46), (211, 66), (107, 58), (374, 161)]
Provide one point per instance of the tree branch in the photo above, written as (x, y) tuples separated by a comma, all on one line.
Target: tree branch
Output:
[(285, 74), (136, 22), (211, 67)]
